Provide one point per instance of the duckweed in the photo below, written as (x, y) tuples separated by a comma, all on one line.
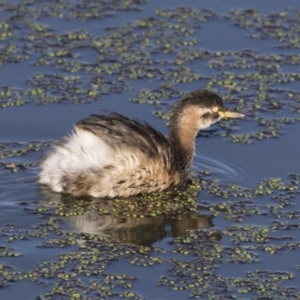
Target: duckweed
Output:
[(160, 51)]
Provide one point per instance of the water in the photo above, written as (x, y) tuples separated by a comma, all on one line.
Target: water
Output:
[(231, 164)]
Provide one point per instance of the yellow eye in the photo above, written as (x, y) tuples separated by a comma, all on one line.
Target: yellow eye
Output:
[(215, 109)]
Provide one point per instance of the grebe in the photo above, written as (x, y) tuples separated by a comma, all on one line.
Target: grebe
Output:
[(113, 155)]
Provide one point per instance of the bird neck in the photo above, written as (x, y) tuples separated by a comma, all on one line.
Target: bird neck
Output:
[(184, 142), (182, 135)]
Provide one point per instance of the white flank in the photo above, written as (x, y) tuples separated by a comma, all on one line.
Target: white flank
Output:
[(82, 152)]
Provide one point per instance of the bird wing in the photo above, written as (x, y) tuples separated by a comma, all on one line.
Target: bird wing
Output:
[(118, 130)]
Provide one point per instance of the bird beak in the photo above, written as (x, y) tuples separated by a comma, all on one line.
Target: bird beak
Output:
[(226, 114)]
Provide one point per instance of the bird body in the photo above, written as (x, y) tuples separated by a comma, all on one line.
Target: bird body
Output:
[(113, 155)]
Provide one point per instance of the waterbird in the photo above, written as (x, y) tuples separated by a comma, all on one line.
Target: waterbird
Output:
[(111, 155)]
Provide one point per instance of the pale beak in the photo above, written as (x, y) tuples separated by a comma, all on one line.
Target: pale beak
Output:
[(226, 114)]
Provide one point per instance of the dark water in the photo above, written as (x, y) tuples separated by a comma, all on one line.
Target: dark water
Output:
[(229, 163)]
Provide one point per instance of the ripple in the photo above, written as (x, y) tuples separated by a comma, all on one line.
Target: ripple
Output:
[(228, 166)]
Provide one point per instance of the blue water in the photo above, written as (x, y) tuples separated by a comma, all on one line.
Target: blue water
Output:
[(230, 163)]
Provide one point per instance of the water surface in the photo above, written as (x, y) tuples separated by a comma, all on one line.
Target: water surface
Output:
[(160, 255)]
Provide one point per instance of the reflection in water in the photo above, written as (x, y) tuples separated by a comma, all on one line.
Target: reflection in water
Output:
[(140, 231), (145, 231)]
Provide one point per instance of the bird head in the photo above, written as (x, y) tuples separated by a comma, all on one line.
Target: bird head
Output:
[(200, 109)]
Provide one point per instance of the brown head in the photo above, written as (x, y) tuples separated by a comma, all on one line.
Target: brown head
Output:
[(195, 111)]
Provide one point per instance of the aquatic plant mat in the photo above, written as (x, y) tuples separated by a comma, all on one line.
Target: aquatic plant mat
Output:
[(216, 239)]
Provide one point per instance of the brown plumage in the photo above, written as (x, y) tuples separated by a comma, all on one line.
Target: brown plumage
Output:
[(113, 155)]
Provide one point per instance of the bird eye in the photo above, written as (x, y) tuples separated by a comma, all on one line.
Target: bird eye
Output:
[(215, 109)]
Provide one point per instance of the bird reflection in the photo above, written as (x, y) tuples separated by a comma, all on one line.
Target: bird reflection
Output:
[(139, 231)]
